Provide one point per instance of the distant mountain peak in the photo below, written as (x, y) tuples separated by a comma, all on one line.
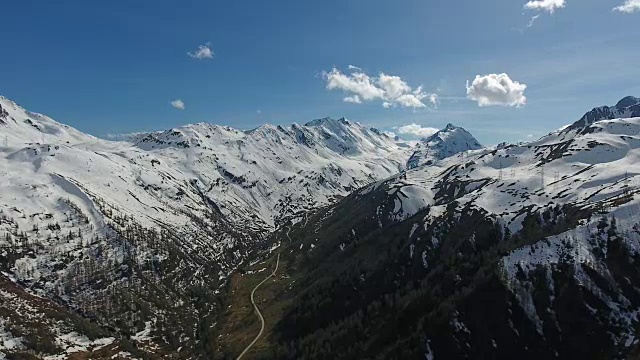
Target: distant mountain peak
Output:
[(627, 102), (445, 143), (263, 128), (450, 126), (328, 120), (627, 107)]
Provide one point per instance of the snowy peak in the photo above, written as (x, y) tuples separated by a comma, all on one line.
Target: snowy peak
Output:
[(445, 143), (339, 136), (327, 121), (587, 169), (451, 127), (628, 102), (19, 127), (449, 133), (262, 176), (188, 136), (628, 107)]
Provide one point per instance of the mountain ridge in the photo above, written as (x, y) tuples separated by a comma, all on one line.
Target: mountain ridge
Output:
[(627, 107)]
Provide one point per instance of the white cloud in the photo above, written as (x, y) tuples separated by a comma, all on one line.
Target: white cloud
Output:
[(496, 89), (178, 104), (628, 7), (355, 99), (416, 130), (533, 20), (411, 100), (393, 86), (203, 52), (358, 83), (391, 90), (258, 111), (545, 5), (434, 99)]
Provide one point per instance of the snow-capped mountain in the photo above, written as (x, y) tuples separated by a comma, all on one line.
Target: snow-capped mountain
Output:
[(526, 251), (259, 177), (445, 143), (173, 212), (273, 173), (21, 126), (500, 249), (628, 107)]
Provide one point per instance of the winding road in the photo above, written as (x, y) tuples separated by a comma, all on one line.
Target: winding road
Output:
[(255, 307)]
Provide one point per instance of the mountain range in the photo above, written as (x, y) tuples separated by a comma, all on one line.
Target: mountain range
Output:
[(147, 247)]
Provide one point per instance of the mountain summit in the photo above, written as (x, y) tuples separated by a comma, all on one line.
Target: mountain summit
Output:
[(628, 107), (445, 143)]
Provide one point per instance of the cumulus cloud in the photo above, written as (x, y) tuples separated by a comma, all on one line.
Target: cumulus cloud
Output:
[(416, 130), (628, 7), (545, 5), (178, 104), (357, 83), (203, 52), (391, 90), (393, 86), (496, 89)]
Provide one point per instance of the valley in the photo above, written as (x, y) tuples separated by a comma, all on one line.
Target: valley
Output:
[(160, 246)]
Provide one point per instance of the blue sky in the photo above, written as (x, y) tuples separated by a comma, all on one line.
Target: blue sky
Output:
[(115, 66)]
